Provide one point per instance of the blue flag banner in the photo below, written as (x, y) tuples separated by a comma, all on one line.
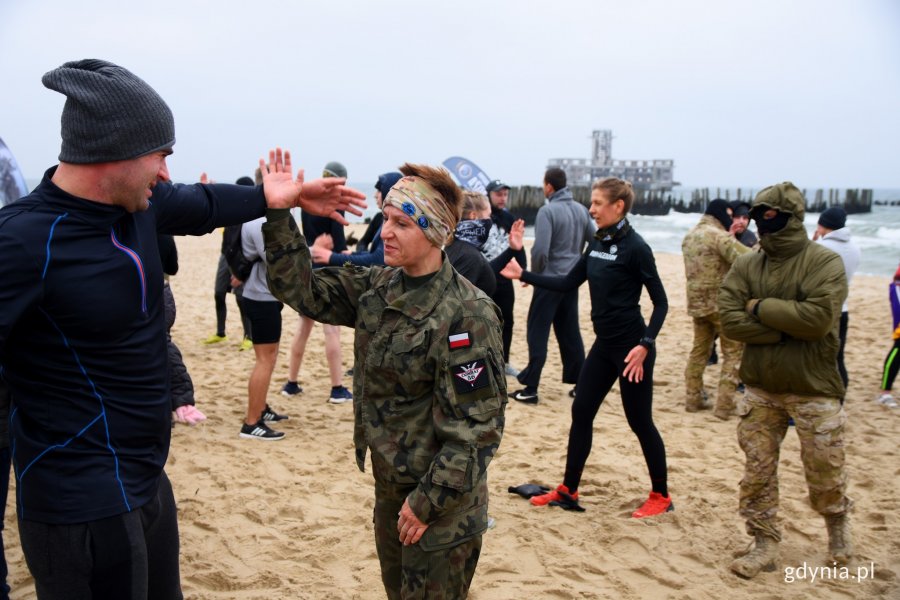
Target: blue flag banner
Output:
[(467, 174), (12, 184)]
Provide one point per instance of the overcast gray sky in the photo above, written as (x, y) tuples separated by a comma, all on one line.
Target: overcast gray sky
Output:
[(737, 93)]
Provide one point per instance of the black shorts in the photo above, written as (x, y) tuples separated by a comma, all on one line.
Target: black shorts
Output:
[(265, 320)]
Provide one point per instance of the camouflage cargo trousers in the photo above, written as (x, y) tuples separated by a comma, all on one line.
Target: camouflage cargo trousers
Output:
[(705, 330), (820, 426), (411, 573)]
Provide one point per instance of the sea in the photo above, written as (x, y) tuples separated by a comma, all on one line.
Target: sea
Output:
[(876, 233)]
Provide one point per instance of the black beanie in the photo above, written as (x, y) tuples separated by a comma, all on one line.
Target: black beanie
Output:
[(833, 218), (245, 181), (718, 208), (110, 114)]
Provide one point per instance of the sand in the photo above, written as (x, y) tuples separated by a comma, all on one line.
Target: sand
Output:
[(292, 519)]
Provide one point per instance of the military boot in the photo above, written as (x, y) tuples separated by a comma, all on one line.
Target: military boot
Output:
[(839, 547), (698, 402), (761, 557)]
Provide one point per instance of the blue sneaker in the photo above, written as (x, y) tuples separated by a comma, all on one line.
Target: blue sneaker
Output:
[(339, 395)]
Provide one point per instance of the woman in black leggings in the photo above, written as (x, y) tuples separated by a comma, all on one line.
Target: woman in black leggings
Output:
[(617, 265)]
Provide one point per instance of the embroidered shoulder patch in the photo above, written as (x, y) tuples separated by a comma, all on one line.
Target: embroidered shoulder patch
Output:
[(470, 376)]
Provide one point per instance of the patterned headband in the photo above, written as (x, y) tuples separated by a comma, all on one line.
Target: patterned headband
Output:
[(428, 209)]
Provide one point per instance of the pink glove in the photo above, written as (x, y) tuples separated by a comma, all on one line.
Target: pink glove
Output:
[(189, 415)]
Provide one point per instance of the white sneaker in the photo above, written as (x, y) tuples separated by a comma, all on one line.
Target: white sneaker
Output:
[(511, 370), (885, 399)]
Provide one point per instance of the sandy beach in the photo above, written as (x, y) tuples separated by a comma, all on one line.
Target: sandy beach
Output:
[(293, 519)]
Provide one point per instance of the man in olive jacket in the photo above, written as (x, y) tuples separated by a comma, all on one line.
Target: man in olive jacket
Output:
[(784, 303)]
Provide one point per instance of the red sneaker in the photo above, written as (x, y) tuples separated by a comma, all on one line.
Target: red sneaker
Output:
[(656, 504), (545, 499)]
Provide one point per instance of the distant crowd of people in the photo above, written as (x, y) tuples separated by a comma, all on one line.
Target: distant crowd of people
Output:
[(92, 381)]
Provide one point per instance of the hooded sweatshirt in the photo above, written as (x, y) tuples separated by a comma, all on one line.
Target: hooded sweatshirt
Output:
[(839, 241), (792, 340)]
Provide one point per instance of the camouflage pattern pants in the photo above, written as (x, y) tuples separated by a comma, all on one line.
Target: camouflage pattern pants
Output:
[(411, 573), (820, 425), (705, 330)]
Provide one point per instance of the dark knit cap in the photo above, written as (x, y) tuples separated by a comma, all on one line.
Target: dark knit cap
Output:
[(334, 169), (740, 208), (833, 218), (245, 181), (110, 114)]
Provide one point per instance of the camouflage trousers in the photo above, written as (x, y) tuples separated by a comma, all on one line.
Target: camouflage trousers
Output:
[(705, 330), (411, 573), (820, 426)]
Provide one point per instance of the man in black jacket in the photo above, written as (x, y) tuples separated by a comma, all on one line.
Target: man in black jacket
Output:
[(82, 334)]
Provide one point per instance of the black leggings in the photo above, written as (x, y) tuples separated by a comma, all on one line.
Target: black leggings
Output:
[(602, 367), (505, 298), (891, 366)]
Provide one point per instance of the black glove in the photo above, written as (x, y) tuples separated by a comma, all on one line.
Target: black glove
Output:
[(527, 490)]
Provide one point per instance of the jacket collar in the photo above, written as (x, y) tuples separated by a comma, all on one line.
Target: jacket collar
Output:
[(417, 304), (561, 195), (97, 213)]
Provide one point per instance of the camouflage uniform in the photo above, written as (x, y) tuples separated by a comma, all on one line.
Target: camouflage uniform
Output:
[(819, 421), (708, 252), (784, 303), (429, 407)]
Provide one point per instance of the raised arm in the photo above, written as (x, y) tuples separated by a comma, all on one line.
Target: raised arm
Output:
[(323, 197)]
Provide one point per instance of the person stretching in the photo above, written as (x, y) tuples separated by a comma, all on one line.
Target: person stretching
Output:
[(616, 265)]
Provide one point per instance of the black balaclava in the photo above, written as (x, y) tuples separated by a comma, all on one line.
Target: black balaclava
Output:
[(718, 208), (767, 226)]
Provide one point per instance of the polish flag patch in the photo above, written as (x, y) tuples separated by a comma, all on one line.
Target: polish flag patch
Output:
[(459, 340)]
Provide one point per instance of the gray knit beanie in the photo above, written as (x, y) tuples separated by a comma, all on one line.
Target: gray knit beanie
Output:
[(110, 114)]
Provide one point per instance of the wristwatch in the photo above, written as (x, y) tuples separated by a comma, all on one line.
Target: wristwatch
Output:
[(647, 342)]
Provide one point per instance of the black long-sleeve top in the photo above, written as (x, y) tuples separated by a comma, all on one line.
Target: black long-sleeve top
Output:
[(616, 272), (83, 342)]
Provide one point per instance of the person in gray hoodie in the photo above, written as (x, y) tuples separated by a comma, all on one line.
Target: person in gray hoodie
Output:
[(833, 233), (562, 229)]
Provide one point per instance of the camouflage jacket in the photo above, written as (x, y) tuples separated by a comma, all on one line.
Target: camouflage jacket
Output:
[(429, 391), (708, 251)]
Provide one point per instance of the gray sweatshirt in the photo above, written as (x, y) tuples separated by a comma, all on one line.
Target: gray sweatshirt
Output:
[(561, 230), (256, 287)]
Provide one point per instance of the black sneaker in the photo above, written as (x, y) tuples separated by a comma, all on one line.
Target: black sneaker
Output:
[(291, 389), (270, 415), (260, 431), (525, 395), (572, 392)]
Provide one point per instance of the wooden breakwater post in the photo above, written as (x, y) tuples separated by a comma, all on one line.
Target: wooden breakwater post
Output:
[(852, 200), (524, 201)]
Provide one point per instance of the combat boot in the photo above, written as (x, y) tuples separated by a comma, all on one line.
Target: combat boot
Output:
[(698, 402), (761, 557), (840, 549)]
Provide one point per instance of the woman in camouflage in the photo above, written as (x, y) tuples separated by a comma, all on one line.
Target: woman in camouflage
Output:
[(428, 385)]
